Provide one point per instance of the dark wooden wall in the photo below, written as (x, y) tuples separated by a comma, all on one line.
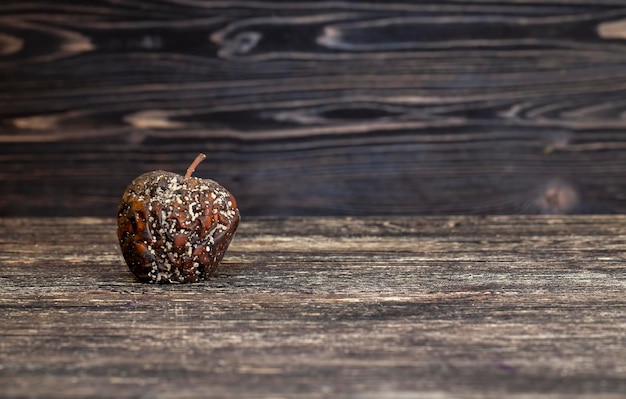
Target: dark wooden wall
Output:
[(317, 107)]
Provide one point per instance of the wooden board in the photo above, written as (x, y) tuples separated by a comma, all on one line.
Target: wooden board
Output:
[(428, 307), (395, 107)]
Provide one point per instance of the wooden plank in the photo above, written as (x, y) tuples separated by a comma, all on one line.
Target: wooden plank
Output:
[(430, 107), (435, 307)]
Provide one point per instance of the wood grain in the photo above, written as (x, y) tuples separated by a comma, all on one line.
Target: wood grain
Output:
[(420, 307), (433, 107)]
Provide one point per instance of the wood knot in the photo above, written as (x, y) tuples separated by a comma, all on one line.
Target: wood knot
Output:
[(556, 198)]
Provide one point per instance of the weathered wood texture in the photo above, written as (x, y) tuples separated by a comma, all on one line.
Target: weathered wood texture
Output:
[(427, 307), (320, 107)]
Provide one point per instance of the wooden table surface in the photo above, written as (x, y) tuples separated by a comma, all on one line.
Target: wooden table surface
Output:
[(421, 307)]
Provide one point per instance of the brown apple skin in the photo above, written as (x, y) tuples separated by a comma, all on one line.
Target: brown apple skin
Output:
[(175, 230)]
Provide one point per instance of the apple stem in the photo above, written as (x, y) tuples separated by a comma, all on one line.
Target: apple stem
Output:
[(193, 165)]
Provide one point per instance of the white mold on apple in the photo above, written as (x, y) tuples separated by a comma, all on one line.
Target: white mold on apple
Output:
[(173, 228)]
